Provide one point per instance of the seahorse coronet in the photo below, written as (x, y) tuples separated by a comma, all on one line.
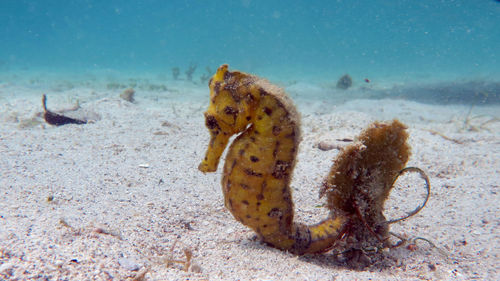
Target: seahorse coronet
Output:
[(260, 161)]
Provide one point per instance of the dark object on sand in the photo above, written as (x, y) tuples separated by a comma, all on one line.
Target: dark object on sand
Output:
[(128, 95), (190, 71), (175, 73), (57, 119), (344, 82)]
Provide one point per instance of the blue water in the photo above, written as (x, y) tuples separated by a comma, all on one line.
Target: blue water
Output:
[(425, 40)]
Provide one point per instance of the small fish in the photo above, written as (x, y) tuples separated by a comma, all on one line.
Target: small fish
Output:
[(367, 80)]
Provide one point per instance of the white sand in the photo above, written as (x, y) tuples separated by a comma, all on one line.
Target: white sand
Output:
[(126, 188)]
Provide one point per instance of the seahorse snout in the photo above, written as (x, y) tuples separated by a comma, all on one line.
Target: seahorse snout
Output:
[(217, 144)]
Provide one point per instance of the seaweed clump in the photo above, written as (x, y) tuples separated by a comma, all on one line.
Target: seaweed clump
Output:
[(361, 179)]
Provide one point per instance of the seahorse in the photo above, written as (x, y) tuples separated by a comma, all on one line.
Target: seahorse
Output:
[(260, 161)]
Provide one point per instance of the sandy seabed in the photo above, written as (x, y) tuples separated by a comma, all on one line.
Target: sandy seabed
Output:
[(118, 198)]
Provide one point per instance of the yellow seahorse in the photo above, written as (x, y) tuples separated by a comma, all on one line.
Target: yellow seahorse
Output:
[(259, 164)]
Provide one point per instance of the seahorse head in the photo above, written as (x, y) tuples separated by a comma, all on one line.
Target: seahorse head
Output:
[(233, 100)]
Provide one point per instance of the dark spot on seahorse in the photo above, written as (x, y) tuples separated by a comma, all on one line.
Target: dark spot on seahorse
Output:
[(263, 92), (230, 110), (252, 139), (230, 203), (233, 164), (264, 226), (245, 202), (260, 197), (259, 117), (249, 99), (248, 216), (234, 94), (241, 152), (228, 186), (211, 122), (262, 188), (251, 172), (254, 158), (245, 186), (275, 151), (302, 237), (256, 132), (288, 220), (232, 89), (291, 135), (227, 75), (276, 130), (216, 86), (247, 145), (248, 118), (286, 195), (268, 111), (280, 169), (275, 213), (280, 105)]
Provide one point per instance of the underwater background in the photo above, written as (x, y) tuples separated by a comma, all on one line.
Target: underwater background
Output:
[(121, 196), (385, 42)]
